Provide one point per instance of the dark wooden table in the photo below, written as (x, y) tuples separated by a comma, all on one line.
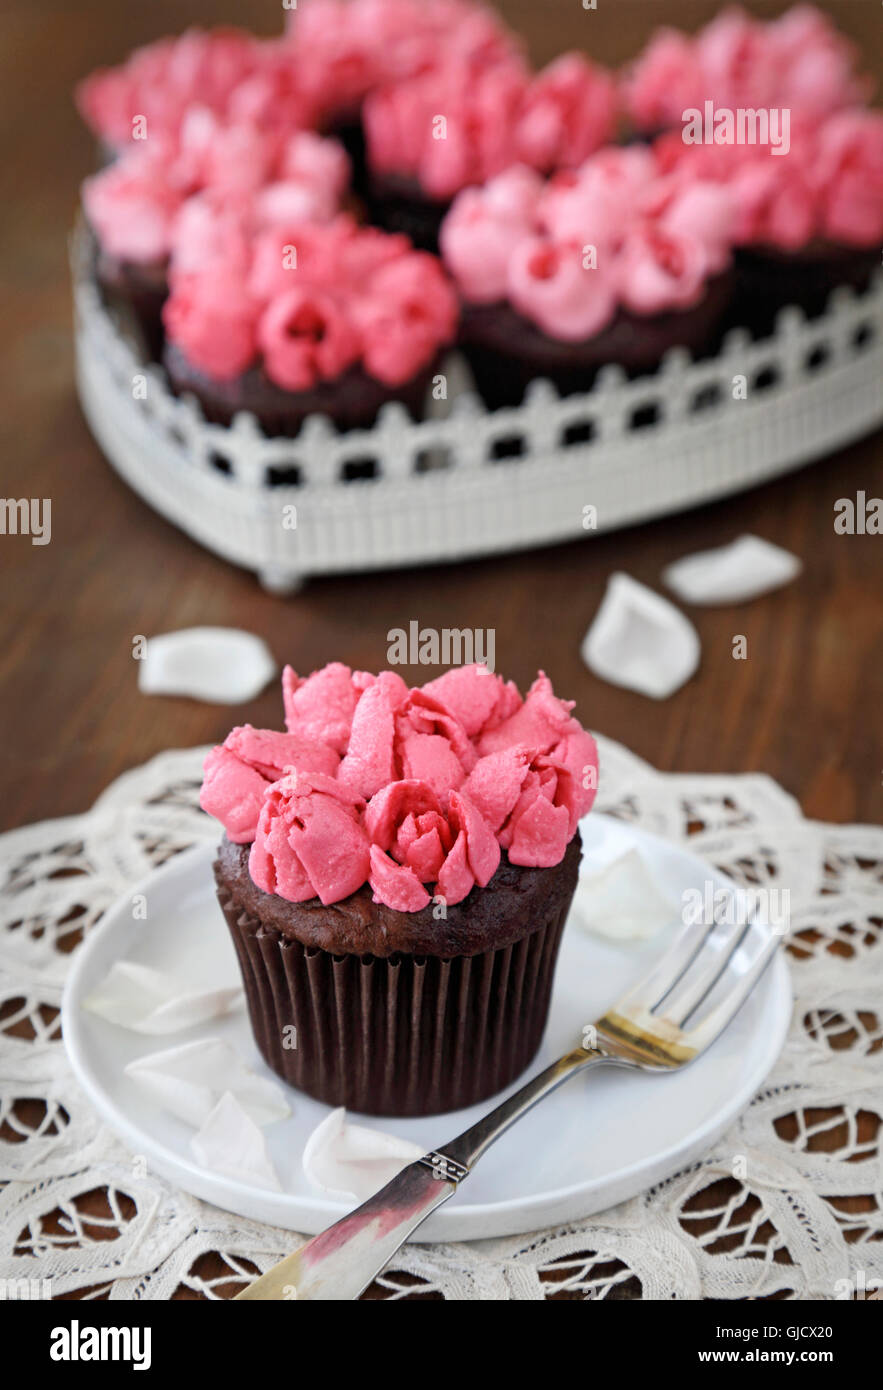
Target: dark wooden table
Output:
[(804, 707)]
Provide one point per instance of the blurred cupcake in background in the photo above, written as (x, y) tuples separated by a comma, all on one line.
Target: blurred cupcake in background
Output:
[(304, 318), (799, 61), (610, 263), (344, 49), (139, 207), (225, 71), (808, 219), (463, 123)]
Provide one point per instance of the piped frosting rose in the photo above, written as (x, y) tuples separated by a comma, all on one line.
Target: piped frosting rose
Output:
[(310, 841), (495, 116), (158, 86), (416, 841), (311, 301), (140, 205), (798, 61), (827, 187), (348, 47), (620, 231), (414, 791), (238, 772)]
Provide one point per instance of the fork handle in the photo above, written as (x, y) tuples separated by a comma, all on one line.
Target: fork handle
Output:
[(341, 1262)]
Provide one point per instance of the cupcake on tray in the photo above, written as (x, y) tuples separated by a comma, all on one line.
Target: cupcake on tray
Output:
[(809, 218), (345, 49), (305, 318), (610, 263), (799, 62), (141, 208), (465, 121), (396, 872), (231, 74)]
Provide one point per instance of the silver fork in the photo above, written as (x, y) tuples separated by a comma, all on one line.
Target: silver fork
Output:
[(648, 1029)]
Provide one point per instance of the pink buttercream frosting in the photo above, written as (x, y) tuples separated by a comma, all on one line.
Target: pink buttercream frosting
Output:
[(828, 186), (456, 126), (483, 228), (138, 204), (349, 47), (227, 71), (798, 61), (132, 206), (413, 791), (621, 230), (310, 301)]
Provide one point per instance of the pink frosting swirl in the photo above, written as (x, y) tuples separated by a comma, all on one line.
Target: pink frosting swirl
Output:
[(321, 706), (798, 61), (210, 234), (848, 178), (277, 94), (408, 309), (661, 269), (305, 338), (349, 47), (310, 301), (483, 228), (415, 841), (479, 108), (596, 202), (625, 229), (132, 206), (546, 725), (828, 186), (214, 323), (494, 116), (414, 791), (238, 772), (265, 178), (163, 80), (568, 111), (310, 840), (548, 283)]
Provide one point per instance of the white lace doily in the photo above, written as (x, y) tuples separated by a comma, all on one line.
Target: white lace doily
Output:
[(789, 1204)]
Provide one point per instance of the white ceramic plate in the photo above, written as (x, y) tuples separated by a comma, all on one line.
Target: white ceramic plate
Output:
[(602, 1138)]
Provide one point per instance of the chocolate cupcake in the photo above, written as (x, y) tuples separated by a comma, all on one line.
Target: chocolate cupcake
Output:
[(194, 203), (798, 62), (346, 51), (608, 264), (810, 217), (336, 319), (464, 121), (396, 875)]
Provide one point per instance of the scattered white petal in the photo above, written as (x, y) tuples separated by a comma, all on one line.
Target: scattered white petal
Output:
[(221, 664), (189, 1081), (640, 640), (150, 1001), (353, 1161), (732, 573), (231, 1143), (622, 901)]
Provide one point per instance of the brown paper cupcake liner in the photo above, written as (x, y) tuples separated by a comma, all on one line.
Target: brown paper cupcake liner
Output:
[(404, 1035)]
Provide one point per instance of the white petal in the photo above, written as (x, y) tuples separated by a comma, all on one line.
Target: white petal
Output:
[(231, 1143), (354, 1161), (189, 1081), (732, 573), (221, 664), (640, 640), (622, 901), (150, 1001)]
